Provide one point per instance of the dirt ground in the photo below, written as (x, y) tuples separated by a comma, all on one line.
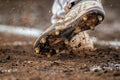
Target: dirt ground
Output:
[(18, 61)]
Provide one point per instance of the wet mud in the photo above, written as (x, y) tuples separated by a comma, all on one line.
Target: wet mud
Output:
[(18, 62)]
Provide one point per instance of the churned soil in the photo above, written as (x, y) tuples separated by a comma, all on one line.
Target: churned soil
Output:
[(18, 62), (17, 58)]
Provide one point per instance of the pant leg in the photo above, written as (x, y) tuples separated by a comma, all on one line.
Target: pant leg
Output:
[(60, 8)]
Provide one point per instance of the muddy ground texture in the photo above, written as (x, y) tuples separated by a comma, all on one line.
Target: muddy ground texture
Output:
[(18, 62)]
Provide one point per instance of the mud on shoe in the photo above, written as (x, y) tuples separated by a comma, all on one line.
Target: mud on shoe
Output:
[(51, 42), (85, 15)]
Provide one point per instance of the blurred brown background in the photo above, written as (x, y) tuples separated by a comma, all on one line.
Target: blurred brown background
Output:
[(25, 12), (37, 13)]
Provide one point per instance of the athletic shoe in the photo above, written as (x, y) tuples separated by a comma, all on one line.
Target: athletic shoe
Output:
[(84, 15)]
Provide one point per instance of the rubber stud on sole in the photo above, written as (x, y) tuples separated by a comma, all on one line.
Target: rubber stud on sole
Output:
[(100, 18), (92, 27), (48, 55), (77, 30), (37, 50), (57, 32), (84, 18), (66, 42), (43, 40), (57, 51)]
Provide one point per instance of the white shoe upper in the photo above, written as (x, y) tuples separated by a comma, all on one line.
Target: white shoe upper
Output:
[(62, 7)]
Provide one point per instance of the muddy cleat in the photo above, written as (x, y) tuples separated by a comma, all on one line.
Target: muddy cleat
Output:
[(84, 15), (50, 42), (84, 12)]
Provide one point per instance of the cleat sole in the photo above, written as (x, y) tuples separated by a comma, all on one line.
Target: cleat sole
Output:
[(55, 40)]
